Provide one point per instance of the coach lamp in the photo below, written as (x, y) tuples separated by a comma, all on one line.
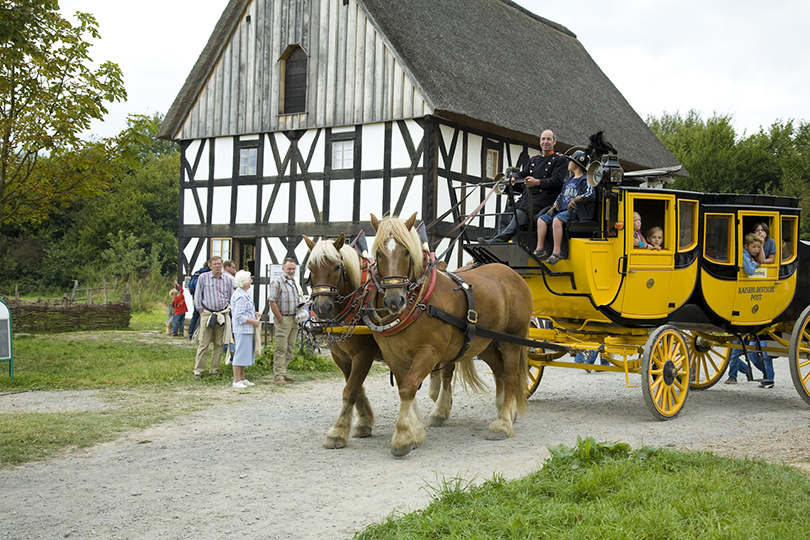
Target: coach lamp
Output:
[(607, 170)]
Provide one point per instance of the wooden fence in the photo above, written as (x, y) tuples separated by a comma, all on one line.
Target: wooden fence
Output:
[(74, 310), (36, 318)]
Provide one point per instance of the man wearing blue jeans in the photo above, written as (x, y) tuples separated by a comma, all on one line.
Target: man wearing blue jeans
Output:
[(762, 362)]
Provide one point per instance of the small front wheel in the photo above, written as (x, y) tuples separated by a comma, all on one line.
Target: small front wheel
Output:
[(665, 372), (709, 361)]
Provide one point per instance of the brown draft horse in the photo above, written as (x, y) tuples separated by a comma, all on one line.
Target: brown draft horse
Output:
[(337, 297), (503, 303)]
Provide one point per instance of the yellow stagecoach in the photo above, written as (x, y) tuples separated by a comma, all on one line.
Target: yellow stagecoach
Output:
[(673, 315)]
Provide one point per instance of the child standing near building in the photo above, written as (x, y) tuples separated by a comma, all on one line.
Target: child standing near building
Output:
[(180, 310)]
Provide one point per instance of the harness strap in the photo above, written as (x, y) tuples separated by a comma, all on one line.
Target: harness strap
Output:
[(458, 322), (472, 315)]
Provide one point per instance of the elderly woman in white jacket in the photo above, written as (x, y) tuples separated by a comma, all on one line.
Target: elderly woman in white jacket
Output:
[(245, 321)]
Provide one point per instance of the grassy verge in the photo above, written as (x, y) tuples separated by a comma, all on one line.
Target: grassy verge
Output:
[(143, 375), (608, 491)]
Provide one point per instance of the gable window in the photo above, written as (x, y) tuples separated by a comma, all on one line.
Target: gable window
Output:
[(294, 91), (247, 161), (342, 155)]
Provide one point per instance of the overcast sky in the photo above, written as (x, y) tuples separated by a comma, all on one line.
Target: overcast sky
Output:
[(744, 58)]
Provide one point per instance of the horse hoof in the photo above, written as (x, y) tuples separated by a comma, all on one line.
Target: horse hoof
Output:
[(404, 451), (435, 422), (361, 432), (496, 436), (334, 443)]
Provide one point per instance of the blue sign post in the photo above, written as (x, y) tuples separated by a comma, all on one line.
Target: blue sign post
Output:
[(6, 352)]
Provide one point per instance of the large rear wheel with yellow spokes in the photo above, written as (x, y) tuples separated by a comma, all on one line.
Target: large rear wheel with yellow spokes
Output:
[(708, 359), (799, 355), (534, 378), (665, 372)]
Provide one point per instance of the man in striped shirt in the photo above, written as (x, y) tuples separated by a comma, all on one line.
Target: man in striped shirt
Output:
[(284, 298), (212, 301)]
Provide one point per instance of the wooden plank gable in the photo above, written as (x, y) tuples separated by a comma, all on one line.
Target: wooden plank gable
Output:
[(353, 76)]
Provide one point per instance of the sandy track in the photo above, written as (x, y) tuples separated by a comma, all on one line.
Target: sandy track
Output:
[(255, 468)]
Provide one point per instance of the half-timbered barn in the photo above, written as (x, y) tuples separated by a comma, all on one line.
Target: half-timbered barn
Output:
[(304, 116)]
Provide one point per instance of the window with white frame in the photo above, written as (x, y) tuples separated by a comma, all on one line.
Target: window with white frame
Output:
[(247, 161), (221, 247), (342, 155), (492, 163)]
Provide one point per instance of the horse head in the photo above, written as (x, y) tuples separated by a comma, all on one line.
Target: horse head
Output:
[(397, 252), (335, 270)]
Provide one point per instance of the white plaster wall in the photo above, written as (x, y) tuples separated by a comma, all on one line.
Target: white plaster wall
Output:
[(340, 200), (473, 156), (246, 204), (281, 206), (514, 153), (283, 144), (399, 151), (413, 201), (190, 214), (373, 147), (303, 206), (305, 145), (222, 206), (223, 158), (371, 195), (447, 133), (191, 155)]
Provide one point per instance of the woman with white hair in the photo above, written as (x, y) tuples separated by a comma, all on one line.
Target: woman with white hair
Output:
[(245, 321)]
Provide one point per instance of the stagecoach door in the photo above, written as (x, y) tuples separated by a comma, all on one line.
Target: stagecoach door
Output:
[(755, 297), (648, 284)]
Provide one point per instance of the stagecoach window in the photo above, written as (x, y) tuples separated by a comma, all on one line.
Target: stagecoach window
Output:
[(790, 231), (342, 155), (687, 225), (247, 161), (719, 235)]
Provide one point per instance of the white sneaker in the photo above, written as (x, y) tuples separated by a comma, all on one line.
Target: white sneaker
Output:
[(246, 382), (240, 384)]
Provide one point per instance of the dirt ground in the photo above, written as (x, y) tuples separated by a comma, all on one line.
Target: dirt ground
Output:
[(255, 467)]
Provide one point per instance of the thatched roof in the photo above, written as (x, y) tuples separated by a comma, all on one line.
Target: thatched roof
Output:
[(490, 64)]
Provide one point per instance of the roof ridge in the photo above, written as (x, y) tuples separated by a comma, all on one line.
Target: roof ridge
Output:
[(538, 18)]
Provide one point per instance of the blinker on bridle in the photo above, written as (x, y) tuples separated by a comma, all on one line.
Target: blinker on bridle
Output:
[(330, 290)]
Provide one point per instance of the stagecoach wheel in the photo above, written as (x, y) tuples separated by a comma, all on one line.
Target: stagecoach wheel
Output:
[(665, 372), (535, 376), (799, 355), (707, 363), (535, 370)]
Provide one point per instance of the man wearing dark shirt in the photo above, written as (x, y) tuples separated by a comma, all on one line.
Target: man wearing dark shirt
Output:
[(544, 176)]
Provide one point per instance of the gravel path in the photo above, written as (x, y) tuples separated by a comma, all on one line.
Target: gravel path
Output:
[(256, 468)]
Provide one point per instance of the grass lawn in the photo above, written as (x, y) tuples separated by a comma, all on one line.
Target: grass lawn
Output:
[(601, 490), (144, 372)]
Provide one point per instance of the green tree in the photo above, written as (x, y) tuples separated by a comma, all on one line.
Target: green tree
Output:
[(772, 161), (142, 202), (48, 97)]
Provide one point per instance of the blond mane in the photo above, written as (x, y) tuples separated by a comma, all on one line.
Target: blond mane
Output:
[(325, 253), (394, 227)]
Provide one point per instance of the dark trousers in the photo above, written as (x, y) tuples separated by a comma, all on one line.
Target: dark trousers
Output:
[(192, 326)]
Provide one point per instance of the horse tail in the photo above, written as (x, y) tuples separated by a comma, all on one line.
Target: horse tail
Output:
[(468, 376), (521, 396)]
